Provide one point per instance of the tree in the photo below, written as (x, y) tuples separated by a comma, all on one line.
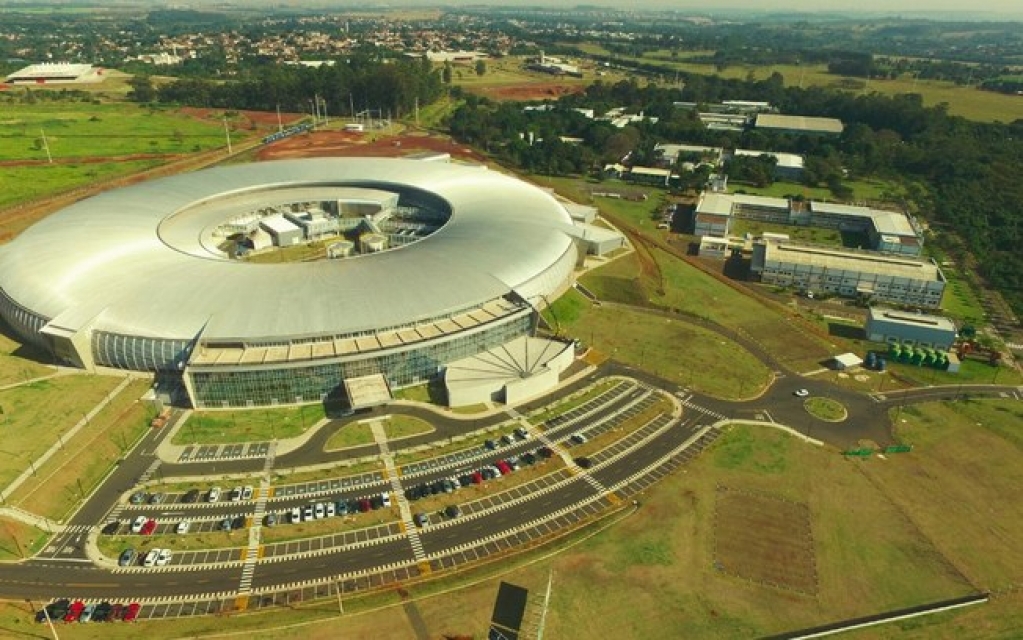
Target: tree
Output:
[(142, 89), (446, 75), (481, 67)]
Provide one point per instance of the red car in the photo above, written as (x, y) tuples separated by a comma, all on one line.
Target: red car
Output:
[(364, 505), (131, 612), (74, 611), (503, 467), (116, 612), (148, 528), (477, 477)]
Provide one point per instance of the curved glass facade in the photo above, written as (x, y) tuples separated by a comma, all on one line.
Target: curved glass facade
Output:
[(24, 323), (139, 353), (312, 381)]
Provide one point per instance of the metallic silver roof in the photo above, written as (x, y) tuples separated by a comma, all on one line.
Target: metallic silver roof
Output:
[(137, 260)]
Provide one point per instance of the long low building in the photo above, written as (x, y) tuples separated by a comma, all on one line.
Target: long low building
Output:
[(887, 231), (870, 276), (914, 329), (150, 289)]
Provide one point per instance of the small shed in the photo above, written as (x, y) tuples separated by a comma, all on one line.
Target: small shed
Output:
[(847, 361)]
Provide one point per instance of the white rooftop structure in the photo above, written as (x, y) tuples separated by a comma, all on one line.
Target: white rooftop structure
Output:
[(56, 72), (885, 222), (806, 124), (785, 160)]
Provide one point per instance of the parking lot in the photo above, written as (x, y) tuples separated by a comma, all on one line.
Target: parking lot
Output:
[(205, 453)]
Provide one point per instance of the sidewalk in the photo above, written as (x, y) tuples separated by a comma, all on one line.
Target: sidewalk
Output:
[(39, 522)]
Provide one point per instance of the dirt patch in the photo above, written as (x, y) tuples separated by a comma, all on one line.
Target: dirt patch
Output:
[(352, 144), (531, 91), (260, 119), (764, 539)]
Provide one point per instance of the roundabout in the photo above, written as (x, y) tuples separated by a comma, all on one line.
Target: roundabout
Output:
[(826, 409)]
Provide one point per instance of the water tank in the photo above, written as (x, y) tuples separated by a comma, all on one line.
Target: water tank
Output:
[(340, 249), (373, 242)]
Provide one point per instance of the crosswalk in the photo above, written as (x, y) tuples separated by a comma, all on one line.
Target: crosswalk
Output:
[(251, 557), (687, 401), (411, 531)]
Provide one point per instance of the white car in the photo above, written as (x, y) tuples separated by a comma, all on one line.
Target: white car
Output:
[(320, 510), (331, 510), (184, 526), (137, 524), (296, 515), (385, 498), (307, 512), (801, 393), (151, 557), (163, 557), (213, 495), (247, 493)]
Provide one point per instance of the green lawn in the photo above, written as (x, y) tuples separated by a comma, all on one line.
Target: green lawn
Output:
[(85, 130), (19, 363), (23, 183), (36, 415), (248, 425)]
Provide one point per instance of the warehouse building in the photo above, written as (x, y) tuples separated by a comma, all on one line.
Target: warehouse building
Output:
[(56, 73), (798, 125), (913, 329)]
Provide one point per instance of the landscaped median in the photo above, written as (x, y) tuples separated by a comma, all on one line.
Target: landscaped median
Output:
[(826, 409)]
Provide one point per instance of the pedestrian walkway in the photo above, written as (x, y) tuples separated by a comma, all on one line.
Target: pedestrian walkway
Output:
[(377, 427), (37, 521)]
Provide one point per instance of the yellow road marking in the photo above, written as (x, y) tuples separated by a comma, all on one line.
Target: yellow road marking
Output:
[(244, 554), (424, 568)]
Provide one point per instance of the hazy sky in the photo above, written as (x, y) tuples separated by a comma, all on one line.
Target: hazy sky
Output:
[(939, 9)]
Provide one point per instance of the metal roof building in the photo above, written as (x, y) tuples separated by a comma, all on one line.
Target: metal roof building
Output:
[(799, 124), (147, 288)]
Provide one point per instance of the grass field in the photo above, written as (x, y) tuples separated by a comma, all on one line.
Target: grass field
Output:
[(861, 189), (353, 434), (673, 349), (248, 425), (87, 130), (19, 363), (80, 465), (19, 541), (37, 414), (24, 183)]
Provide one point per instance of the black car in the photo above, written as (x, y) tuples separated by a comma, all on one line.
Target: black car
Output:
[(102, 612), (191, 496), (506, 439), (528, 458), (437, 487), (464, 480), (111, 527), (452, 511), (238, 522), (55, 610), (584, 462), (490, 445), (544, 452), (488, 473), (376, 502), (421, 519)]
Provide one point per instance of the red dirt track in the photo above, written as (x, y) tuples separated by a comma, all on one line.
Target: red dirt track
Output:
[(532, 91), (347, 144)]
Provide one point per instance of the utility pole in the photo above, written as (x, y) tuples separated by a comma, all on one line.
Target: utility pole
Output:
[(227, 134), (417, 111), (46, 145), (326, 120), (280, 126), (546, 603)]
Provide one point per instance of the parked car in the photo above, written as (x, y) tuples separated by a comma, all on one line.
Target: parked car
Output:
[(111, 527), (183, 526), (522, 434), (138, 497), (131, 612), (116, 611), (157, 498), (213, 495), (56, 610), (365, 505), (464, 480), (191, 496), (87, 613), (421, 519), (247, 492), (544, 452), (489, 445), (270, 520), (331, 510), (529, 458), (307, 512), (236, 494), (164, 557), (578, 438), (102, 612), (225, 524), (149, 527), (584, 462), (296, 515), (74, 611), (239, 522), (452, 511), (127, 557), (503, 467), (319, 510), (150, 559), (342, 508), (477, 477), (506, 439), (137, 524)]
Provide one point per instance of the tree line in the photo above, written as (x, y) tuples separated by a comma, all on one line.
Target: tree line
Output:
[(961, 176)]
